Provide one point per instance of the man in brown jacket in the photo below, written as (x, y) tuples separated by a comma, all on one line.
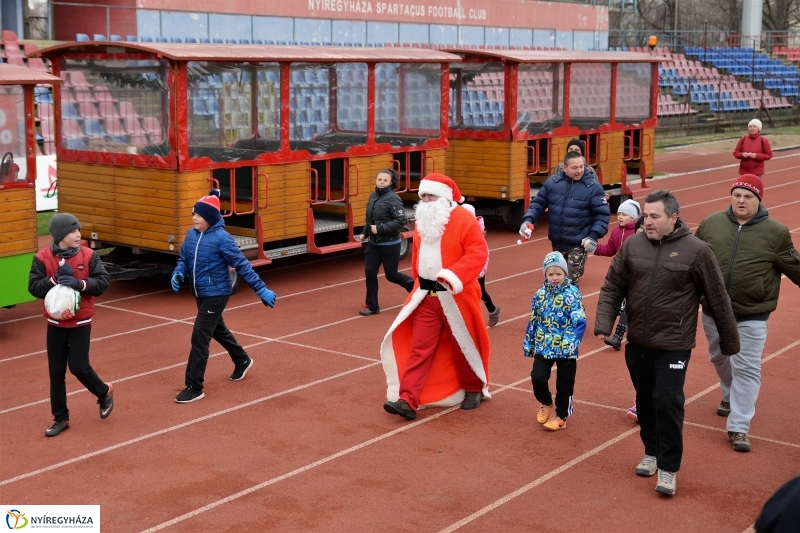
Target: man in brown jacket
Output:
[(663, 273)]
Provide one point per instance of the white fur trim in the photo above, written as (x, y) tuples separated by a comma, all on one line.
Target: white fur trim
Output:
[(436, 188), (387, 348), (461, 333), (429, 262), (451, 278)]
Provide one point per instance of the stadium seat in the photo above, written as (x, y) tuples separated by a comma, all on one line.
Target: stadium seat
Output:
[(81, 37)]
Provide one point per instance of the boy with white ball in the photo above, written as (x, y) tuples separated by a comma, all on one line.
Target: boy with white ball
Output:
[(65, 263)]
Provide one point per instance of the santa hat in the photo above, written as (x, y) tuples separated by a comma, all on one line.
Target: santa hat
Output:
[(441, 186), (752, 183), (755, 122), (208, 207)]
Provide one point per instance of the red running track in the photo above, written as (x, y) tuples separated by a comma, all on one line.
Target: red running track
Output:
[(302, 444)]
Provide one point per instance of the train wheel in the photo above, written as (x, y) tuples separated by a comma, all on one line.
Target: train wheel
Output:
[(405, 245), (236, 280), (517, 212)]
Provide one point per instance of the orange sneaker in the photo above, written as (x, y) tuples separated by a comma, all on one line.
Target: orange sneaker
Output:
[(555, 423), (543, 414)]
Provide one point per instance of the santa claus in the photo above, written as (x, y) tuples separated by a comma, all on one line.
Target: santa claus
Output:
[(436, 352)]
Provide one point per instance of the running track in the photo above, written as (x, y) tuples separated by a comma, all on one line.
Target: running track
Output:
[(303, 444)]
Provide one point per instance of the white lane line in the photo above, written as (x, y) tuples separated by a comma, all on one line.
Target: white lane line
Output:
[(522, 490), (182, 425)]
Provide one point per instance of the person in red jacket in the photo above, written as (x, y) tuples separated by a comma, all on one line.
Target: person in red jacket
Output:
[(66, 262), (753, 150), (628, 213)]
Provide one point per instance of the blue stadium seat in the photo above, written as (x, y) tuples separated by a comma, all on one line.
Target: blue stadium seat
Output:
[(99, 37), (74, 144), (162, 40), (217, 40), (93, 128), (244, 41), (258, 41), (131, 38), (191, 40), (175, 40), (81, 37), (146, 39), (205, 40), (230, 41), (115, 38), (269, 41)]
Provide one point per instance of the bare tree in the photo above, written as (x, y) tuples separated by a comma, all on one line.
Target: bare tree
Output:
[(780, 15)]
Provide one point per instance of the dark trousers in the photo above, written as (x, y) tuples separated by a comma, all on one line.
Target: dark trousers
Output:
[(659, 378), (390, 257), (565, 383), (487, 300), (210, 325), (69, 347), (429, 328)]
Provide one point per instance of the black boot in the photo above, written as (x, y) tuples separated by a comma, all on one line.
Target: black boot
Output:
[(615, 341)]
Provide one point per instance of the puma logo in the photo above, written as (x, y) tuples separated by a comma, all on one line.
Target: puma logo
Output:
[(680, 365)]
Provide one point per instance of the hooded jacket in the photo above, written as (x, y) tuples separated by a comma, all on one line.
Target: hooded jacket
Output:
[(206, 259), (557, 322), (578, 209), (752, 256), (618, 235), (385, 211), (662, 282)]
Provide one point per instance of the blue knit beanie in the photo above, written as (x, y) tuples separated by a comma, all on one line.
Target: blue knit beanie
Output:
[(208, 207)]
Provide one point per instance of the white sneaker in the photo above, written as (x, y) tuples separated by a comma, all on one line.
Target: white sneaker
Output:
[(666, 482), (647, 467)]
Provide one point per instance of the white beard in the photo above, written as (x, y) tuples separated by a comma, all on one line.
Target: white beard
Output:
[(431, 219)]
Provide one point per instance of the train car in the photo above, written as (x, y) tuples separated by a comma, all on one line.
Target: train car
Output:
[(293, 136), (18, 239), (513, 112)]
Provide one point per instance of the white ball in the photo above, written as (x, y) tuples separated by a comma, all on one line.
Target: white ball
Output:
[(62, 302)]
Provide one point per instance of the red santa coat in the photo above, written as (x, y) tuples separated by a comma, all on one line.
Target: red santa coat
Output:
[(457, 257)]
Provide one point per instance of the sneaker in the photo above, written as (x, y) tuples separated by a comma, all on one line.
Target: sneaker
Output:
[(555, 423), (57, 427), (739, 441), (494, 317), (189, 395), (543, 414), (472, 400), (647, 467), (666, 482), (400, 407), (632, 414), (366, 311), (107, 402), (724, 408), (240, 370)]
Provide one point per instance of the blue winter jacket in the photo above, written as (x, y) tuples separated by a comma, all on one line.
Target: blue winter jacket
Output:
[(557, 323), (578, 209), (206, 258)]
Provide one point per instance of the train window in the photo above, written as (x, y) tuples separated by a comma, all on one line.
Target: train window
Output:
[(351, 97), (117, 106), (223, 122), (415, 117), (590, 95), (540, 97), (13, 165), (477, 96), (633, 92)]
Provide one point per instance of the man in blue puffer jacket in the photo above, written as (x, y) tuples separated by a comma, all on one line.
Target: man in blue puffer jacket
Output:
[(578, 213), (207, 255)]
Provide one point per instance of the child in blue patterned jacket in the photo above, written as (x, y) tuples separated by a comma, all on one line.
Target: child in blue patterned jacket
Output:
[(555, 330)]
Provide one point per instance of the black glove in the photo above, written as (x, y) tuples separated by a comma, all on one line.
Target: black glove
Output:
[(69, 281), (64, 270)]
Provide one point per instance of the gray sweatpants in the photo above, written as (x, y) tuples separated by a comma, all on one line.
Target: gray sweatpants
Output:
[(739, 374)]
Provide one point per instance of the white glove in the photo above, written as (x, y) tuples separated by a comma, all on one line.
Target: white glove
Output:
[(589, 244), (526, 230)]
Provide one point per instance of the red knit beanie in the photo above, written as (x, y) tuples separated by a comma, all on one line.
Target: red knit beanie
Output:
[(752, 183), (208, 207)]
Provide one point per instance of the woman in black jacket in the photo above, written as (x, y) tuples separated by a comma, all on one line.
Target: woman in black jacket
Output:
[(386, 218)]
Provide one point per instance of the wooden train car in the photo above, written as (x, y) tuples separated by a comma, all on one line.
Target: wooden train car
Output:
[(293, 136), (18, 239), (513, 112)]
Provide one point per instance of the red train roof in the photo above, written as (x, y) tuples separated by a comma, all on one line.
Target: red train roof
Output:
[(561, 56), (14, 75), (256, 52)]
